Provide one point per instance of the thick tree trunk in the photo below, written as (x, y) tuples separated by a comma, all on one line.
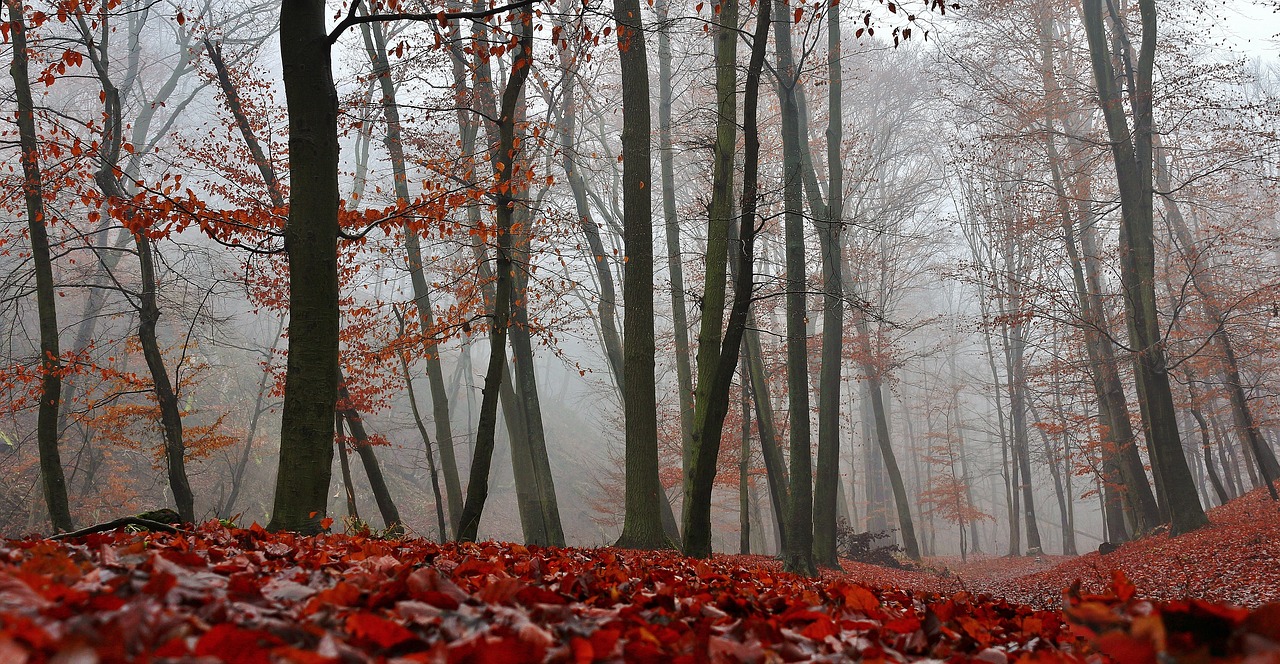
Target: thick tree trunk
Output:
[(642, 524), (52, 479), (311, 241)]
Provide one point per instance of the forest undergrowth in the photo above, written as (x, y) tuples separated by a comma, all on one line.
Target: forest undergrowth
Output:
[(227, 594)]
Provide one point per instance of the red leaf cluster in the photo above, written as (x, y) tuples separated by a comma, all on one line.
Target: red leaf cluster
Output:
[(246, 595), (1234, 560)]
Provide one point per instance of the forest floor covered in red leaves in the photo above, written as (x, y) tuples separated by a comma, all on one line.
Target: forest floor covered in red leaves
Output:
[(245, 595)]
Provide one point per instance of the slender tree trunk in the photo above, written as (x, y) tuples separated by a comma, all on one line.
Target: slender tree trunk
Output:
[(1018, 414), (344, 462), (311, 241), (705, 443), (828, 473), (375, 43), (873, 467), (52, 478), (798, 557), (713, 401), (441, 523), (744, 465), (1132, 154), (770, 449), (1203, 282), (377, 483), (166, 397), (875, 388), (504, 269), (607, 306), (1142, 503), (675, 265), (237, 474), (1126, 483)]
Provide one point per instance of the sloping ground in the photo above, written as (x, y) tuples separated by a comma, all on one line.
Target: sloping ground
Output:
[(1235, 560)]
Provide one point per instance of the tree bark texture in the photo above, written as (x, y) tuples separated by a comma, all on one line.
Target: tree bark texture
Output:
[(52, 479)]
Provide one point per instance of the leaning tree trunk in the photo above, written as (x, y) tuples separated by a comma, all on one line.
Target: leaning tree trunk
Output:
[(52, 478), (875, 387), (166, 397), (375, 42), (705, 442), (1203, 282), (478, 482), (377, 483), (1132, 156)]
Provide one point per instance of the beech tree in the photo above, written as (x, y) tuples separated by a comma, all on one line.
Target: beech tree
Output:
[(1132, 154), (52, 478)]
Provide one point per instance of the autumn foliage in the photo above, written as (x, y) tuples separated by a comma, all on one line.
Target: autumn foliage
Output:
[(246, 595)]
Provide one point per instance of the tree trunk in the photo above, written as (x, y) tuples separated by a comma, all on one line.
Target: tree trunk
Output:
[(642, 524), (828, 474), (1132, 156), (798, 556), (775, 465), (675, 265), (311, 241), (1018, 414), (1204, 284), (1126, 483), (377, 483), (52, 478), (376, 46), (704, 445), (166, 397), (237, 474), (875, 386), (441, 523), (478, 482), (713, 400), (744, 466), (344, 463)]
